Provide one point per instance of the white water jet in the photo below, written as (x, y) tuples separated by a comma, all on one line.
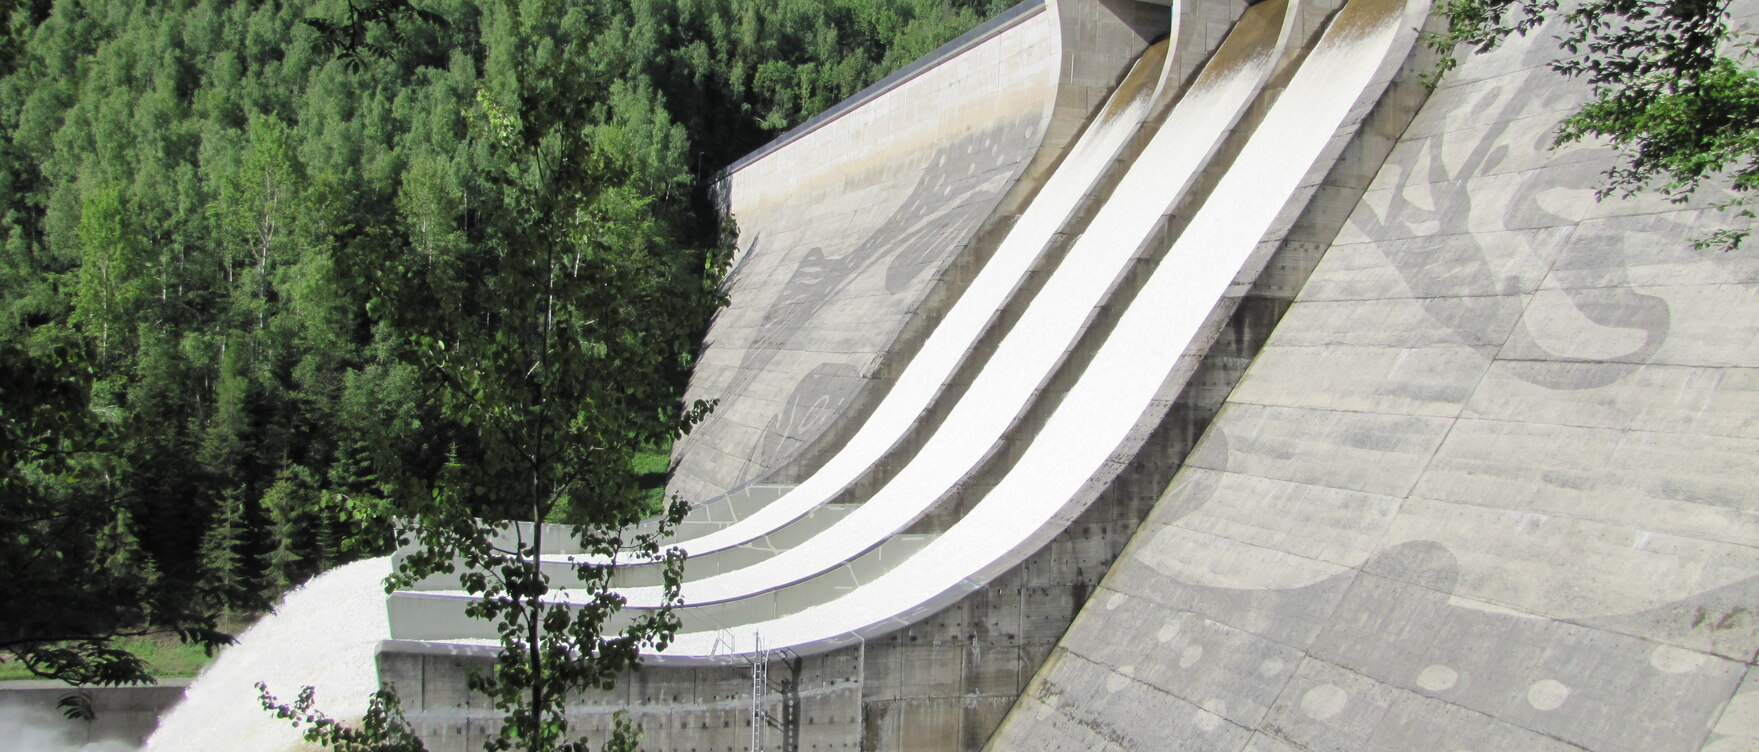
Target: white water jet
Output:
[(323, 634)]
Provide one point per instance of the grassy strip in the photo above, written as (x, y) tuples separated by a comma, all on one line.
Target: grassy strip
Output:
[(166, 657), (651, 466)]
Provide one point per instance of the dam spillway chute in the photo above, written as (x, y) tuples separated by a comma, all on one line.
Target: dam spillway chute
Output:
[(855, 547), (975, 311), (1044, 338), (1309, 122), (1024, 359), (1123, 229)]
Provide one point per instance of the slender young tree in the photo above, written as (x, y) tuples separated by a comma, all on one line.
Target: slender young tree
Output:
[(109, 274), (555, 362), (554, 359)]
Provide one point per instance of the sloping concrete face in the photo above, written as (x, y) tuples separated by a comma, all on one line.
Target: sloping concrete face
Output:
[(855, 236), (1487, 487)]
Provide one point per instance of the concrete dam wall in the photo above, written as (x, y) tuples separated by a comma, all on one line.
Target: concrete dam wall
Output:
[(1228, 391)]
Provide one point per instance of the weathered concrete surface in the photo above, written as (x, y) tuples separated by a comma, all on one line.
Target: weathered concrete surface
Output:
[(854, 236), (1487, 487)]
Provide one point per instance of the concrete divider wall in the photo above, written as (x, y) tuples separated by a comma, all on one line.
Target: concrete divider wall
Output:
[(856, 233), (1487, 487)]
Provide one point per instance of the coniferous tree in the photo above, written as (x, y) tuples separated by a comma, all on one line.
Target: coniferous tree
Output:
[(225, 574), (287, 509)]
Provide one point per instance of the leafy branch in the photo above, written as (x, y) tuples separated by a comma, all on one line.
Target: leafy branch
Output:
[(382, 729), (351, 39), (1666, 92)]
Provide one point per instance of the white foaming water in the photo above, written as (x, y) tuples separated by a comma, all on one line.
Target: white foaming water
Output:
[(323, 634)]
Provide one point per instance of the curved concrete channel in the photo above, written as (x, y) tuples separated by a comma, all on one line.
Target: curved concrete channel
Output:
[(801, 518), (1045, 337), (753, 522), (854, 573), (1042, 493)]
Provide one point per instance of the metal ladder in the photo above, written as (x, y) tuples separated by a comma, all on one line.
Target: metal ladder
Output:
[(760, 686)]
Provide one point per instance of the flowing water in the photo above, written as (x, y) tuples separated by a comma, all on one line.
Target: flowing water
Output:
[(323, 634), (38, 729)]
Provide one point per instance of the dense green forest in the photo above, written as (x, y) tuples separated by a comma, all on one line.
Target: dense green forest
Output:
[(223, 239)]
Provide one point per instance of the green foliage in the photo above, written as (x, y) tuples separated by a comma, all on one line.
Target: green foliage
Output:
[(223, 559), (275, 272), (163, 656), (382, 729), (64, 524), (555, 366), (651, 466), (109, 272), (352, 39), (1666, 91), (652, 461)]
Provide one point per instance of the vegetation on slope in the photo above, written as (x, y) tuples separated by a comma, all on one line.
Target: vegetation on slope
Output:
[(220, 244)]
